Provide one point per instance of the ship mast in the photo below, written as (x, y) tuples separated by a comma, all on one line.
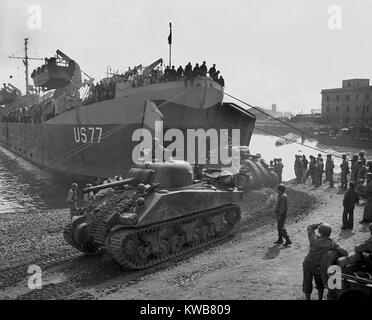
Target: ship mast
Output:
[(25, 60)]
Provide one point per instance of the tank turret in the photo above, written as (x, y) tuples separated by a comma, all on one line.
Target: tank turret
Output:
[(156, 214)]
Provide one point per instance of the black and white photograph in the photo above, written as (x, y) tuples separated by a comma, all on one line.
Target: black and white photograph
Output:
[(186, 155)]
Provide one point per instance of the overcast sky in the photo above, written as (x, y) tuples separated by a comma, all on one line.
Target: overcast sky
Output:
[(269, 51)]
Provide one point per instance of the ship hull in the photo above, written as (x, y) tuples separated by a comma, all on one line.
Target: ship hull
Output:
[(96, 140)]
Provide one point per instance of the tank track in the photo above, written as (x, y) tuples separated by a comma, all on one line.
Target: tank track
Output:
[(121, 202), (207, 231)]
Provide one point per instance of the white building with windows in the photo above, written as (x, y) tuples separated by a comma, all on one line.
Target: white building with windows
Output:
[(349, 105)]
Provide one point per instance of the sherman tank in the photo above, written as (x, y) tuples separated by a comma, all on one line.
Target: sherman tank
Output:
[(157, 213)]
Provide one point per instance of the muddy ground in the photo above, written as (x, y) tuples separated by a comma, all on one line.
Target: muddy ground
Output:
[(245, 266)]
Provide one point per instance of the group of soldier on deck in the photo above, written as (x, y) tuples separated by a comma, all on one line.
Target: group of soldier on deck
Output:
[(189, 73)]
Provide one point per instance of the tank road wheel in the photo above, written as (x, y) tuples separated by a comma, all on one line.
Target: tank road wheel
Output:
[(128, 250), (204, 232), (176, 243), (143, 254), (232, 217), (218, 224), (164, 249)]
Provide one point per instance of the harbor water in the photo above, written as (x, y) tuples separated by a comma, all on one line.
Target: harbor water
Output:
[(25, 188)]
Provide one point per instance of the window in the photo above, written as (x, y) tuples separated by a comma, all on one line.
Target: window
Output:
[(348, 84), (337, 97), (347, 97), (357, 96), (347, 109), (327, 108), (327, 98)]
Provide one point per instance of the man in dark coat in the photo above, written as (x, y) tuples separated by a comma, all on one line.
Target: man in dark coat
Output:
[(329, 170), (203, 69), (319, 246), (212, 71), (196, 70), (179, 72), (351, 197), (281, 209), (344, 171)]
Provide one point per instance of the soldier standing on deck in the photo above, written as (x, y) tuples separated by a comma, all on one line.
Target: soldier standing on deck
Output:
[(329, 170), (344, 171), (319, 246), (281, 214), (72, 199)]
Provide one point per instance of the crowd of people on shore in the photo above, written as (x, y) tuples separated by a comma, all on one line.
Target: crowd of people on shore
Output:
[(323, 249)]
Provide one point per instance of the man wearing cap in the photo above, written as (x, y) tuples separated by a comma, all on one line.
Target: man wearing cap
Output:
[(281, 209), (329, 170), (367, 213), (344, 171), (319, 246), (72, 199)]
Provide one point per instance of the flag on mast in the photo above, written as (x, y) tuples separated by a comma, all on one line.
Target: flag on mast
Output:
[(170, 34)]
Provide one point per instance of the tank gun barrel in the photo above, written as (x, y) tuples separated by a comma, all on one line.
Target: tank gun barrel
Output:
[(109, 185)]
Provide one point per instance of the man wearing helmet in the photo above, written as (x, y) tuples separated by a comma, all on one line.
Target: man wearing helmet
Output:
[(281, 214), (319, 246)]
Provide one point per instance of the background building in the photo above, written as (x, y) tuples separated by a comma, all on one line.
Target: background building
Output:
[(349, 105)]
